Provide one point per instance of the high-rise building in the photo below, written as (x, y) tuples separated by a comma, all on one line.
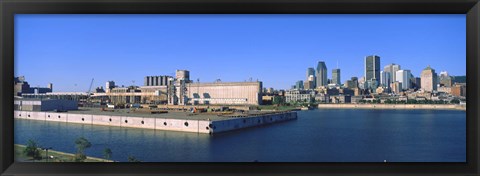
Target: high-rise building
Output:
[(396, 87), (336, 76), (418, 83), (299, 84), (372, 68), (445, 79), (321, 74), (403, 76), (109, 85), (385, 79), (310, 75), (392, 69), (428, 79)]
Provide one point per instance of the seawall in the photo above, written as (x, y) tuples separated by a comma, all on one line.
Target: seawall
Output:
[(159, 123), (393, 106)]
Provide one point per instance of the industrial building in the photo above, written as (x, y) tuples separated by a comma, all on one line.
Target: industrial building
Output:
[(44, 104), (182, 91), (22, 87), (157, 80)]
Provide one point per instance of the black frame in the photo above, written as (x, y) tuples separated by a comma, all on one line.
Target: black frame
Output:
[(10, 7)]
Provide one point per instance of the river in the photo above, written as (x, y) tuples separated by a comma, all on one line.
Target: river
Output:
[(327, 135)]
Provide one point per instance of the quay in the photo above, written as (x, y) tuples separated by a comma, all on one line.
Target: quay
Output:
[(394, 106), (206, 123)]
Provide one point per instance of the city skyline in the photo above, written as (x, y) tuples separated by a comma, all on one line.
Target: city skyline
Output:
[(275, 49)]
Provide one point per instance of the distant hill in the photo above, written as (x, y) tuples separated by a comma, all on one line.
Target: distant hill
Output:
[(460, 79)]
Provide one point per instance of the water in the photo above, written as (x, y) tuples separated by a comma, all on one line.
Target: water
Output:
[(316, 136)]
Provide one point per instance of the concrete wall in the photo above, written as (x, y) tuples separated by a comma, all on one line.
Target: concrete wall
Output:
[(79, 118), (388, 106), (196, 126), (239, 123), (56, 117)]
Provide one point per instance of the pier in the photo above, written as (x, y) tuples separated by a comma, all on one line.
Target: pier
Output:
[(172, 121)]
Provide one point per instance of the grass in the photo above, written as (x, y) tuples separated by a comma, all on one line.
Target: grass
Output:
[(57, 156)]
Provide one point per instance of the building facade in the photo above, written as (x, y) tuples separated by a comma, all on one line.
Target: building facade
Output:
[(336, 76), (157, 80), (292, 96), (428, 79), (403, 76), (372, 68), (321, 74), (311, 77), (392, 69)]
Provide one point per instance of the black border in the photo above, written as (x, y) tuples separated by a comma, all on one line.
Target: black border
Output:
[(11, 7)]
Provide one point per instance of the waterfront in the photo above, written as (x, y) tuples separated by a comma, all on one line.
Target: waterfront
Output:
[(330, 135)]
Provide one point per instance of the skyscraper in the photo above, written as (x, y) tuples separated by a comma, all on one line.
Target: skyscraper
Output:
[(385, 78), (299, 84), (311, 73), (392, 69), (336, 76), (428, 79), (321, 74), (372, 68), (403, 76)]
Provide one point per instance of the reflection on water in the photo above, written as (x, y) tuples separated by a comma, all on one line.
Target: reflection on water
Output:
[(316, 136)]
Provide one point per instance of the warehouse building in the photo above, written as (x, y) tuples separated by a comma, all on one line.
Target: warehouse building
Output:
[(45, 104)]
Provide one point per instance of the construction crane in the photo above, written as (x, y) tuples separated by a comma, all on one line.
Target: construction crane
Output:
[(90, 88)]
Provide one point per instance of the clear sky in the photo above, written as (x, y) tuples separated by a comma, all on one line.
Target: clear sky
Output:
[(70, 50)]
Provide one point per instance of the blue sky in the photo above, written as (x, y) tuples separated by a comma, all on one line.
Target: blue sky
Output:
[(70, 50)]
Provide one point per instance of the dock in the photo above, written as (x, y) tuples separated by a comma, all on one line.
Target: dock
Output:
[(205, 123)]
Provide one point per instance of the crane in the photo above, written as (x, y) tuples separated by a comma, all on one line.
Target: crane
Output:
[(90, 88)]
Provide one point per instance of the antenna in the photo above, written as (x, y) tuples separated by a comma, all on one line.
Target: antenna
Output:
[(337, 64)]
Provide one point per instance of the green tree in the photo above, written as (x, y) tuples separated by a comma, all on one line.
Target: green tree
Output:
[(455, 101), (133, 159), (388, 101), (32, 150), (107, 153), (81, 144)]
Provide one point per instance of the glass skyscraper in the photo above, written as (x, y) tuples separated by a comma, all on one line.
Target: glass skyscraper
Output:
[(372, 68), (321, 74)]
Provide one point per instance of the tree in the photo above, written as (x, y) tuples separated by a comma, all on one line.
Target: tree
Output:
[(32, 150), (133, 159), (81, 144), (455, 101), (107, 153), (388, 101)]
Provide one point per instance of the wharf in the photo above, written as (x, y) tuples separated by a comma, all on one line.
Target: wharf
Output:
[(208, 123)]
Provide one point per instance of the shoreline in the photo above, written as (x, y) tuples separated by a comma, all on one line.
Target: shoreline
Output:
[(59, 154), (394, 106)]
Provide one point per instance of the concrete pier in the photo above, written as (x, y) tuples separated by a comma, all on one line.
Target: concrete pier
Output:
[(172, 121)]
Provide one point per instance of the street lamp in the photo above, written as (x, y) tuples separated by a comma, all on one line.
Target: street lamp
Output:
[(46, 149)]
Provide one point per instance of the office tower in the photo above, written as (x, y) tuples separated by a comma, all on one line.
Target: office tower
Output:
[(310, 75), (403, 76), (336, 76), (372, 68), (396, 87), (385, 79), (392, 69), (299, 84), (418, 82), (428, 79), (445, 79), (109, 85), (321, 74)]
